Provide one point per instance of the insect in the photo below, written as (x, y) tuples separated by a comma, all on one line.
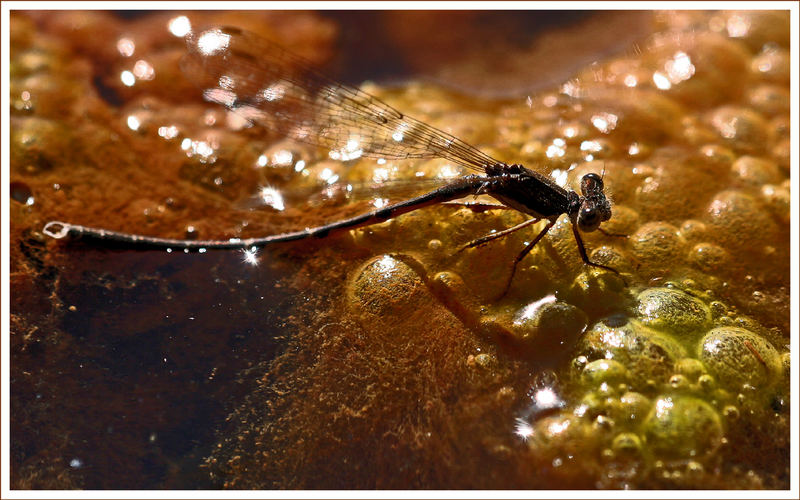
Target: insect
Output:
[(274, 89)]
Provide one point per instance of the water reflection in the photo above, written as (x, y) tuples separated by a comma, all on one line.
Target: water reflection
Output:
[(212, 42), (128, 79), (250, 256), (126, 47), (143, 70), (271, 197), (179, 26)]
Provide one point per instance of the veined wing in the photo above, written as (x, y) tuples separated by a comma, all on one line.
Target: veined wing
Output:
[(340, 193), (280, 91)]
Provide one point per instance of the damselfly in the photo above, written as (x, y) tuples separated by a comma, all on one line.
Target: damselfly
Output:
[(274, 89)]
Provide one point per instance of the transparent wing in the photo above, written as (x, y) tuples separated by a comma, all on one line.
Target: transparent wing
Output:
[(277, 90), (341, 193)]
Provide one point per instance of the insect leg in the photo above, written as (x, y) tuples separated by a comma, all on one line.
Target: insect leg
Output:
[(500, 234), (525, 251), (582, 250)]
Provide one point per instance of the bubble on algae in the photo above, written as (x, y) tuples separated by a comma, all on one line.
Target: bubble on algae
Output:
[(605, 370), (769, 99), (742, 129), (648, 355), (21, 193), (777, 199), (682, 427), (735, 357), (387, 294), (657, 244), (549, 324), (690, 368), (754, 171), (635, 407), (709, 258), (736, 217), (772, 64), (673, 311), (383, 274), (38, 145), (562, 436), (627, 445)]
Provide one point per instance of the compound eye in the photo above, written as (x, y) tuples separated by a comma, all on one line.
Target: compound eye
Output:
[(591, 183), (588, 219)]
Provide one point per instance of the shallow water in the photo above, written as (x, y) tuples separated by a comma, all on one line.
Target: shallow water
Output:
[(381, 357)]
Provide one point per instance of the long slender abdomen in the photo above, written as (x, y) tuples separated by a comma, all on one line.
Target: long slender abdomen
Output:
[(457, 189)]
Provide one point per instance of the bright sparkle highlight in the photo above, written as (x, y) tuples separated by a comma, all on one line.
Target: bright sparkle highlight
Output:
[(558, 427), (328, 176), (127, 78), (133, 122), (250, 256), (126, 47), (605, 122), (225, 82), (212, 42), (168, 132), (143, 70), (447, 172), (283, 157), (523, 429), (555, 151), (661, 81), (179, 26), (529, 311), (680, 67), (663, 405), (272, 197), (350, 151), (274, 92), (546, 398)]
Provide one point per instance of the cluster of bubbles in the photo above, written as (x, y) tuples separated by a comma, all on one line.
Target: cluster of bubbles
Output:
[(654, 396)]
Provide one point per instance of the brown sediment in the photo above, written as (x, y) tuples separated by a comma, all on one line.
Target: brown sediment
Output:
[(380, 358)]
